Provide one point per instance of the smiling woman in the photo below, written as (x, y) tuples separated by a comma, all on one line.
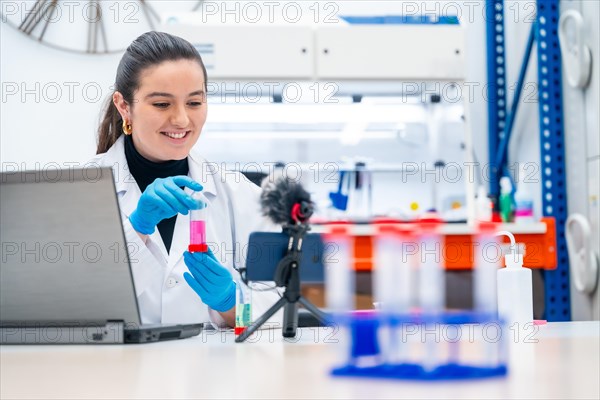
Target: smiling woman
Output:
[(165, 117), (155, 75), (151, 123)]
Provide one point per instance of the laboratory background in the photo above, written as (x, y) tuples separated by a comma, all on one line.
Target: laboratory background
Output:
[(452, 123)]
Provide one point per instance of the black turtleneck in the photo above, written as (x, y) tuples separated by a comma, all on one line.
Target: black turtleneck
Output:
[(145, 172)]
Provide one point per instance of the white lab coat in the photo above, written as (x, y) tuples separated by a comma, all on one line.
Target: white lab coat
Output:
[(233, 213)]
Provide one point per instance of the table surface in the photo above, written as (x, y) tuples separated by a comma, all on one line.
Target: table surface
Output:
[(558, 360)]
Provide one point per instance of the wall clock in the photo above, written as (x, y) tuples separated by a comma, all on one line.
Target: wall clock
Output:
[(92, 26)]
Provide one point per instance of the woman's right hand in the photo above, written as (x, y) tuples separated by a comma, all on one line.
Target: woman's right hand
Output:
[(163, 199)]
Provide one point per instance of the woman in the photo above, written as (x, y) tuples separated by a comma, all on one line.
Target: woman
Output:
[(151, 123)]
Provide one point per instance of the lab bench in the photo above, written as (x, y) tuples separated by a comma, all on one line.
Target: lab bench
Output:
[(557, 360)]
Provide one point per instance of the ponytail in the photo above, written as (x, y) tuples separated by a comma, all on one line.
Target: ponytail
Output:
[(110, 127)]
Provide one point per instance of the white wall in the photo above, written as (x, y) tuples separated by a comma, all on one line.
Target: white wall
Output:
[(582, 151), (52, 100)]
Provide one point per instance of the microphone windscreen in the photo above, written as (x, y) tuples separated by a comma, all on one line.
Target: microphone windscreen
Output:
[(279, 197)]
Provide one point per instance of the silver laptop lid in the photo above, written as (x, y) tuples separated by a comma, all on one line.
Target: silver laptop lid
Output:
[(63, 254)]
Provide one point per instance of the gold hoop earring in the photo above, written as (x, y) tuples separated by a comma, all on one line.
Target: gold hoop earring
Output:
[(127, 129)]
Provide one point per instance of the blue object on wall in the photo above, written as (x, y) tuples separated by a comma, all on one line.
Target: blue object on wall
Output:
[(496, 89), (554, 199), (339, 199)]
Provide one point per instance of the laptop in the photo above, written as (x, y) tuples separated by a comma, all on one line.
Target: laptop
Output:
[(65, 274)]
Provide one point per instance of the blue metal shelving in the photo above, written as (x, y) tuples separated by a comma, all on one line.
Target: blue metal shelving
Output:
[(554, 201), (496, 73)]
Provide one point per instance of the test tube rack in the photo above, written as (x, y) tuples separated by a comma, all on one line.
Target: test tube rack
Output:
[(378, 347), (365, 332)]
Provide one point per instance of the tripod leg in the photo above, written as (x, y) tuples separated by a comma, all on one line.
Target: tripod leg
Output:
[(290, 320), (263, 318), (320, 315)]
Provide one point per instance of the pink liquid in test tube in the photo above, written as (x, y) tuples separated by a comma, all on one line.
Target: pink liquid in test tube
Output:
[(198, 227), (198, 237)]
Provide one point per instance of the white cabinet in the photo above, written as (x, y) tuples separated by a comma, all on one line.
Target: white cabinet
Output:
[(329, 52), (252, 51), (404, 52)]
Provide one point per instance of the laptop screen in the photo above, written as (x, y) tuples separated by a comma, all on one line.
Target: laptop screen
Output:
[(64, 257)]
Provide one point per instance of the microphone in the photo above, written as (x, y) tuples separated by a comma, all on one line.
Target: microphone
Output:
[(285, 201)]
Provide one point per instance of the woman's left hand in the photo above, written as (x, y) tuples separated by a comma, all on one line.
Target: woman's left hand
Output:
[(210, 280)]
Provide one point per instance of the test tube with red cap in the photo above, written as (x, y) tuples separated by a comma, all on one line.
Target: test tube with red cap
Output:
[(392, 286), (198, 226), (243, 307), (338, 260), (488, 255), (431, 284), (339, 273)]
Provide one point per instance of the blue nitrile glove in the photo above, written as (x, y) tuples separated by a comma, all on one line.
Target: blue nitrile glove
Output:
[(210, 280), (163, 199)]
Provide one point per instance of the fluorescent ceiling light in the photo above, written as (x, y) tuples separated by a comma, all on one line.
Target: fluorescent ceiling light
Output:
[(298, 135), (315, 113)]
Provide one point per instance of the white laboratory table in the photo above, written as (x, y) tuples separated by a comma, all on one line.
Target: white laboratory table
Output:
[(564, 363)]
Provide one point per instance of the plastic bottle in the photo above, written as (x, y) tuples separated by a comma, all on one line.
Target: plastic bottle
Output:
[(523, 200), (198, 226), (515, 294), (483, 205), (506, 199)]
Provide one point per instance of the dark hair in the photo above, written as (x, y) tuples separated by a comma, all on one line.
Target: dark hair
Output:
[(151, 48)]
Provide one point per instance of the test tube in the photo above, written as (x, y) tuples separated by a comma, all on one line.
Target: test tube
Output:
[(432, 290), (338, 259), (487, 261), (391, 287), (392, 275), (243, 307), (198, 226), (339, 274)]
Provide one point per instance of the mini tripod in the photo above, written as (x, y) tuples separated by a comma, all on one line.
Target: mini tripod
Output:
[(287, 275)]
